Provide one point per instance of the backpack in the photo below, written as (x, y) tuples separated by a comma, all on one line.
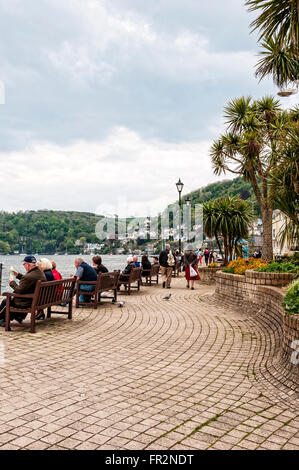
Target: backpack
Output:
[(170, 259)]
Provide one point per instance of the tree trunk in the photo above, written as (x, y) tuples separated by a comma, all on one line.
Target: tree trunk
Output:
[(267, 246)]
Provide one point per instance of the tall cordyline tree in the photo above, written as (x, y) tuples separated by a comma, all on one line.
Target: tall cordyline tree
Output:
[(278, 26), (255, 137)]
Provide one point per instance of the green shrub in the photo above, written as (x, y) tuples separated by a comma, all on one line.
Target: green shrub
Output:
[(275, 267), (291, 299)]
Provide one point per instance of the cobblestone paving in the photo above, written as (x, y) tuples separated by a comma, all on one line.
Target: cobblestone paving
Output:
[(179, 374)]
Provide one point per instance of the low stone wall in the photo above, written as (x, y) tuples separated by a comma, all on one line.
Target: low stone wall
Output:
[(268, 279), (208, 275), (255, 288)]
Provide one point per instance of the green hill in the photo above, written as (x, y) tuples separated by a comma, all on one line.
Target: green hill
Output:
[(46, 231), (237, 186), (49, 231)]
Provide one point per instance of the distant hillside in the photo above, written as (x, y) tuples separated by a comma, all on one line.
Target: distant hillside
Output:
[(237, 186), (46, 231), (49, 231)]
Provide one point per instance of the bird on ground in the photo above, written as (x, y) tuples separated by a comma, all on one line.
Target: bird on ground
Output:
[(167, 297)]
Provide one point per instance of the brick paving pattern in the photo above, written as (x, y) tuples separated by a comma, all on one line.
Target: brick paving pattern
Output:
[(188, 373)]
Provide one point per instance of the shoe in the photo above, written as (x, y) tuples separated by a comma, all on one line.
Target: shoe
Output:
[(19, 318), (192, 288), (187, 286), (40, 316), (168, 287), (163, 285)]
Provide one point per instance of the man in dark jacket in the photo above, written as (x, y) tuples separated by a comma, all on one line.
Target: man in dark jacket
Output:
[(130, 265), (85, 272), (167, 261), (26, 286)]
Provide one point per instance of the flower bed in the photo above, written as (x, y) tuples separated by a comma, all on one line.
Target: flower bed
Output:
[(240, 265)]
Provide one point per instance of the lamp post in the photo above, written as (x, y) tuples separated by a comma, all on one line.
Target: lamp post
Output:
[(188, 202), (180, 186)]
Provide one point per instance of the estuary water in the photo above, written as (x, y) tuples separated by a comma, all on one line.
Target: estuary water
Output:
[(65, 264)]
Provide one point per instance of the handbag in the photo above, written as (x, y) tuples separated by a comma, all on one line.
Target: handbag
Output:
[(193, 273)]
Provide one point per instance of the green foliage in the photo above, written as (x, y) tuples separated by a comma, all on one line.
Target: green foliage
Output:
[(291, 299), (235, 187), (275, 267), (46, 231), (227, 218)]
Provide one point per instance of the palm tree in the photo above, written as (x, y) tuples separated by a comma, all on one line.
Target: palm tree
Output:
[(255, 138), (278, 24), (228, 218)]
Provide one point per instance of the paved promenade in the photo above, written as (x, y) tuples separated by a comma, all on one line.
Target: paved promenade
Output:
[(186, 373)]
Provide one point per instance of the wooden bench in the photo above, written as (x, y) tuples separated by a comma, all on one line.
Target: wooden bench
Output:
[(128, 279), (151, 275), (46, 295), (105, 282)]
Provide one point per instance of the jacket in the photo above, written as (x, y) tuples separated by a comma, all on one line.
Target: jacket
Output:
[(89, 273), (190, 258), (26, 285), (163, 259), (100, 268), (129, 268)]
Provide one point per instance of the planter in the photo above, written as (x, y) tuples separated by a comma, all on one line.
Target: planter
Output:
[(268, 279), (208, 275)]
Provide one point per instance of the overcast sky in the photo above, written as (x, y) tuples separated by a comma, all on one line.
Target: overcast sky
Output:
[(108, 103)]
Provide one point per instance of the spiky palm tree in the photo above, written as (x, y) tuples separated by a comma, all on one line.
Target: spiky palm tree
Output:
[(256, 136), (228, 218), (278, 25)]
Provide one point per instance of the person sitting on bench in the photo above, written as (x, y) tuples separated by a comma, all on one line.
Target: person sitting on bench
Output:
[(26, 286), (85, 272)]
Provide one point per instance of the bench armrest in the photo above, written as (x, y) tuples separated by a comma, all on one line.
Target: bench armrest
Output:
[(92, 283), (12, 294)]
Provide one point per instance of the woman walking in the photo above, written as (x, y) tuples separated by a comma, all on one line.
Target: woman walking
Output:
[(191, 272)]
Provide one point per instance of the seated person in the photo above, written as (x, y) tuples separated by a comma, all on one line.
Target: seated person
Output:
[(56, 274), (146, 265), (128, 268), (135, 260), (85, 272), (155, 260), (98, 266), (45, 265), (26, 286)]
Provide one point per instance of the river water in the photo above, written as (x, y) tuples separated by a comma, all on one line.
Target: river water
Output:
[(65, 265)]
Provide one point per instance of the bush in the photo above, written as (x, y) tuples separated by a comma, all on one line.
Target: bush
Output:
[(291, 299), (276, 267), (213, 265), (240, 265)]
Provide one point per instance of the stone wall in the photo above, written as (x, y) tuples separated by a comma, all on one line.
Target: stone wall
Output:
[(255, 288), (208, 275)]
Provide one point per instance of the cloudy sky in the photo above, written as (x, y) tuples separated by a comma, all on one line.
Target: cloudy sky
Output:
[(109, 102)]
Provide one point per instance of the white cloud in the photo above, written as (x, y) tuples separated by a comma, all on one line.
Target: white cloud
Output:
[(122, 169)]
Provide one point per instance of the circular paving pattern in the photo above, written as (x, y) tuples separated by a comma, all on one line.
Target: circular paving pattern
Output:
[(188, 373)]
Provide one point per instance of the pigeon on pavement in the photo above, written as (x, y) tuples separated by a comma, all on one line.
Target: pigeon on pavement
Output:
[(167, 297)]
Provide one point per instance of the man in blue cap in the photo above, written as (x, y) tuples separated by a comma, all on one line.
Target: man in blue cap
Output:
[(26, 286)]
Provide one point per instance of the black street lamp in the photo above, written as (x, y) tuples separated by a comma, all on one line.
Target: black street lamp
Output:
[(180, 186), (188, 202)]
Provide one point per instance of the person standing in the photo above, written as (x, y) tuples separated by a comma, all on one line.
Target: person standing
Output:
[(200, 253), (167, 261), (207, 255), (191, 272)]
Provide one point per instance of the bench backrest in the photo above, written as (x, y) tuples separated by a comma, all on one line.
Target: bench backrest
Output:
[(155, 269), (108, 281), (53, 292), (135, 274)]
